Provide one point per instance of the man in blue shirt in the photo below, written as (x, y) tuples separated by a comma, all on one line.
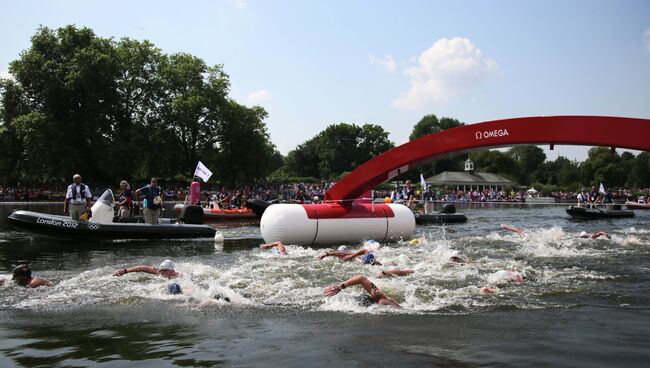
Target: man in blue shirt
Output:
[(152, 202)]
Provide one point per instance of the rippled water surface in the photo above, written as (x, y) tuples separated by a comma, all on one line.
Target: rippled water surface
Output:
[(584, 302)]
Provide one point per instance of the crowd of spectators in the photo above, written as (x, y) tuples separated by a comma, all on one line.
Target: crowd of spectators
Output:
[(314, 192)]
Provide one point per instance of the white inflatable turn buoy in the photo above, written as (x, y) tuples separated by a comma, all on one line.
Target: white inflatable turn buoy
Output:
[(331, 223)]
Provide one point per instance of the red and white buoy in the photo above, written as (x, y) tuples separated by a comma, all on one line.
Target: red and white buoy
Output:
[(331, 223)]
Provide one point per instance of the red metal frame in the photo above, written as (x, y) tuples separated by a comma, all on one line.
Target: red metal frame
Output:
[(612, 132)]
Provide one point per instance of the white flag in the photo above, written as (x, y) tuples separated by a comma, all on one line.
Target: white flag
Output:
[(202, 171), (423, 182), (602, 189)]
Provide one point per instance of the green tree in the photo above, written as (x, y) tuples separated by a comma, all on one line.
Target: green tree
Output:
[(603, 166), (67, 82), (495, 162), (529, 161), (245, 152), (431, 124), (640, 171), (338, 148)]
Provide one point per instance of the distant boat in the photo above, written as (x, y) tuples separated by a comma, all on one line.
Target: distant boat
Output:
[(254, 210), (447, 215), (637, 206), (531, 199), (613, 211)]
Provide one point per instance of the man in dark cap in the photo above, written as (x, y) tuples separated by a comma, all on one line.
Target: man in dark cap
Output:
[(22, 275)]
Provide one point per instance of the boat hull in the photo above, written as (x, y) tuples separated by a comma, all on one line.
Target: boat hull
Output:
[(439, 218), (64, 228), (595, 213)]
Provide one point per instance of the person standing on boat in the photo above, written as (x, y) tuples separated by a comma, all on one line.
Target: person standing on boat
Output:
[(152, 202), (409, 194), (593, 195), (77, 198), (195, 192), (125, 201)]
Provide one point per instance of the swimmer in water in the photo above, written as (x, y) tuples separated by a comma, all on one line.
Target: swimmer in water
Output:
[(456, 257), (594, 235), (366, 256), (22, 275), (166, 269), (277, 245), (514, 229), (502, 277), (394, 272), (376, 296)]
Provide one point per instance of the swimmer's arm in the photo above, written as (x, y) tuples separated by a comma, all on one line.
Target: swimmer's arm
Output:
[(37, 281), (277, 244), (356, 280), (599, 234), (514, 229), (395, 272), (271, 245), (147, 269), (334, 253), (360, 252)]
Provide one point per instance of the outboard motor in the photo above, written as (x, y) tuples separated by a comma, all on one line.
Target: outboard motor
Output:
[(102, 209), (448, 208), (192, 215)]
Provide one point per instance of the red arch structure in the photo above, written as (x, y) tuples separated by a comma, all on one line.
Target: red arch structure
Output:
[(612, 132)]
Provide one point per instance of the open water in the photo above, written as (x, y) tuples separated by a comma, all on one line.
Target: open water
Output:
[(585, 303)]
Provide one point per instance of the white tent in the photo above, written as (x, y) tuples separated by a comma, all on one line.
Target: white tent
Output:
[(532, 191)]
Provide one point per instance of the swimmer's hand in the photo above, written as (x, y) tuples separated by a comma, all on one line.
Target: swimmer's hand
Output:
[(120, 272), (332, 290)]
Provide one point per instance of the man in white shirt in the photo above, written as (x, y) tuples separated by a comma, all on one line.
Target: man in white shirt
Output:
[(77, 198)]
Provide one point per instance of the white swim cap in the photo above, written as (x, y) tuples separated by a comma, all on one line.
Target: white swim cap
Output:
[(167, 265), (343, 248), (583, 234)]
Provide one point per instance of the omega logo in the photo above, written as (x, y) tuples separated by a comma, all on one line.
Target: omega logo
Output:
[(491, 133)]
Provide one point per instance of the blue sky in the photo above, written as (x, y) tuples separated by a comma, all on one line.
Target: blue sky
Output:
[(311, 64)]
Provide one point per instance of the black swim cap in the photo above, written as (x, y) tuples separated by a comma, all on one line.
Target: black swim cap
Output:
[(22, 270)]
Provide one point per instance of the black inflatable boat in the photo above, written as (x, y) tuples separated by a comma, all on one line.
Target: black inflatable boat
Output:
[(63, 227), (101, 227), (609, 211), (447, 215)]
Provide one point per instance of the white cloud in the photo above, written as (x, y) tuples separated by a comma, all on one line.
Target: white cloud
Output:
[(240, 4), (447, 69), (646, 39), (259, 96), (386, 62), (6, 75)]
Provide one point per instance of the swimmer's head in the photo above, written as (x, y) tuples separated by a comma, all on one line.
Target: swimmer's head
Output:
[(584, 234), (22, 270), (343, 248), (174, 288), (367, 300), (455, 256), (167, 265), (368, 258)]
